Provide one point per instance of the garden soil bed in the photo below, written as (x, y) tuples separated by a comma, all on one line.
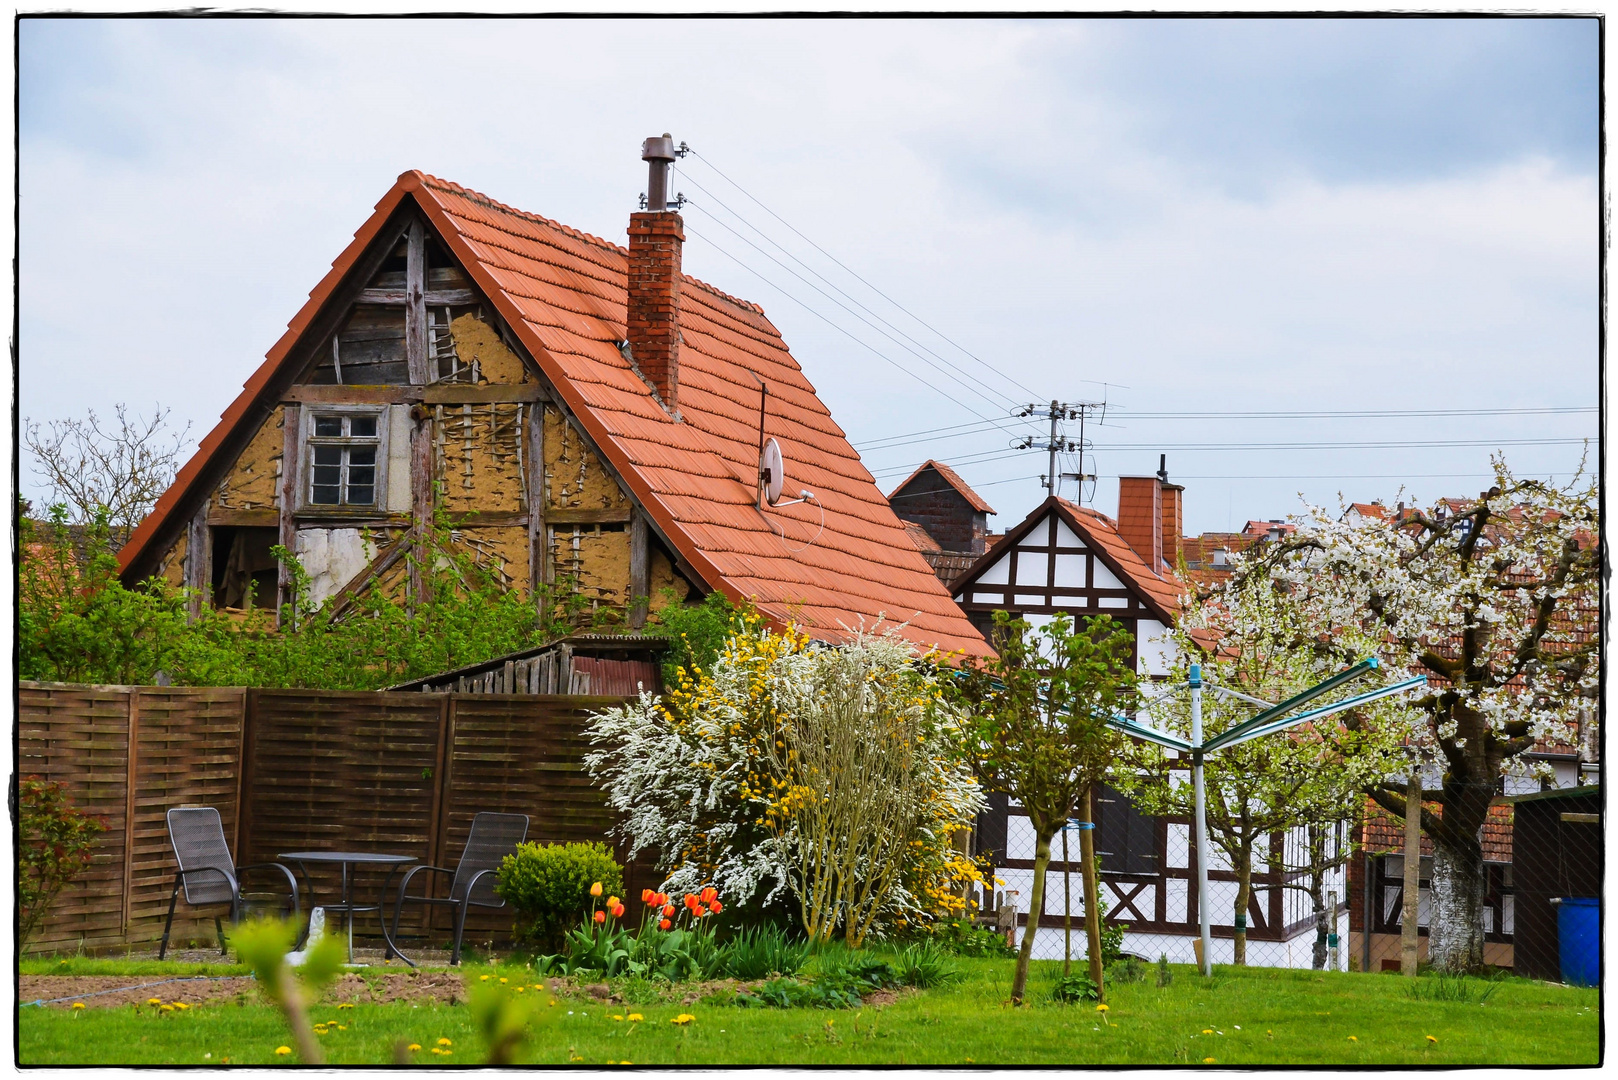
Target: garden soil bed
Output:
[(444, 986)]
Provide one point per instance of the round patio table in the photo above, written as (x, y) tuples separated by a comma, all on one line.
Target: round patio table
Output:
[(346, 905)]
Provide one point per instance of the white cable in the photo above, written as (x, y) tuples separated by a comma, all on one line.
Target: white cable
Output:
[(808, 496)]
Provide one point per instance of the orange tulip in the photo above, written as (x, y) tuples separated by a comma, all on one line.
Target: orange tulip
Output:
[(715, 906), (663, 924), (601, 916), (709, 895), (647, 896), (662, 898), (595, 890), (668, 912), (618, 911), (690, 901)]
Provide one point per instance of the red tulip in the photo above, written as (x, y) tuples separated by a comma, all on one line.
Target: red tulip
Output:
[(647, 896), (709, 895), (618, 911), (663, 924), (715, 906), (601, 916), (690, 901), (668, 912), (662, 898)]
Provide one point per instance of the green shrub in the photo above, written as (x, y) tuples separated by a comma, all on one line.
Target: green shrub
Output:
[(1074, 989), (55, 842), (1164, 975), (841, 979), (761, 952), (963, 937), (925, 965), (1126, 970), (548, 888)]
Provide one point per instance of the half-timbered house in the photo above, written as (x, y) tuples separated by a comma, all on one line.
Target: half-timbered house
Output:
[(586, 417)]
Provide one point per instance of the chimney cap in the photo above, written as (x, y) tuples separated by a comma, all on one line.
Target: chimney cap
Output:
[(658, 148)]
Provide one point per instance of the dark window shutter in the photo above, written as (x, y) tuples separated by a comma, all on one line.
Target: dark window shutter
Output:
[(991, 829)]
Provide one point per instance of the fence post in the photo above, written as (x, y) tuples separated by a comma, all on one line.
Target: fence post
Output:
[(129, 810), (244, 777)]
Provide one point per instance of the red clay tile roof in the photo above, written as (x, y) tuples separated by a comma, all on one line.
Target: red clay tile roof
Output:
[(1385, 834), (972, 498), (921, 538), (1161, 591), (563, 292)]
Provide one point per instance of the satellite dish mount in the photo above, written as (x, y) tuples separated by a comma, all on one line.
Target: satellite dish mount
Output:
[(771, 473)]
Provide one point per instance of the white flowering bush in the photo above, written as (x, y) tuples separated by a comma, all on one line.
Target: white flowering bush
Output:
[(1496, 601), (834, 775)]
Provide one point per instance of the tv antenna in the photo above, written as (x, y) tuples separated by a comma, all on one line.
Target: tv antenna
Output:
[(1056, 412)]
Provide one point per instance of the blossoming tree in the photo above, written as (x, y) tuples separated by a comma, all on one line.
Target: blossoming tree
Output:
[(1496, 602), (836, 775)]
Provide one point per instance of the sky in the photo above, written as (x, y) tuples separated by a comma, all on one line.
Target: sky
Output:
[(1211, 225)]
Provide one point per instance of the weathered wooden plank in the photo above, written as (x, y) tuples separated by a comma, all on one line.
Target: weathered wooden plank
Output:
[(292, 421), (465, 394), (431, 297), (640, 574), (588, 516), (198, 563), (415, 307), (347, 394)]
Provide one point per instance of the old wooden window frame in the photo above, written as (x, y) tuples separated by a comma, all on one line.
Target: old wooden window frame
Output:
[(308, 441)]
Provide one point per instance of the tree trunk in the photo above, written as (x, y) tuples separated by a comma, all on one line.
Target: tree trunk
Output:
[(1455, 926), (1244, 893), (1067, 908), (1036, 904), (1409, 932), (1092, 899), (1317, 898)]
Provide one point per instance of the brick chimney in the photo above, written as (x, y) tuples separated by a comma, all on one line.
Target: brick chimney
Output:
[(1172, 503), (656, 237), (1140, 518)]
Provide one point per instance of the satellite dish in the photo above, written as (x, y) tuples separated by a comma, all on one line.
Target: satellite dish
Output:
[(771, 471)]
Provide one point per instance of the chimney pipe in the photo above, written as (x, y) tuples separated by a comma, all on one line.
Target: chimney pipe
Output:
[(656, 237), (658, 153)]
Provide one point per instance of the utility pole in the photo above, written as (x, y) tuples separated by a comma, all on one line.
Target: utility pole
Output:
[(1056, 412)]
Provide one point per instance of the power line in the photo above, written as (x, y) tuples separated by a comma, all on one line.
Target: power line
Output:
[(834, 326), (961, 378), (968, 380), (989, 484), (955, 431), (857, 277), (1357, 413), (1399, 445)]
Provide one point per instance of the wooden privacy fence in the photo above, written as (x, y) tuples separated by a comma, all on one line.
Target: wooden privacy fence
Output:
[(288, 770)]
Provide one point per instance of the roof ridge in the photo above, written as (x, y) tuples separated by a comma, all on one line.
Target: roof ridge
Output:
[(478, 197)]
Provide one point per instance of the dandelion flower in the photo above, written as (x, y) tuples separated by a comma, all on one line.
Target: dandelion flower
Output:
[(1208, 1061), (154, 1001), (78, 1004), (503, 981), (1207, 1031), (283, 1051), (445, 1042), (414, 1048), (1101, 1008), (165, 1008), (1431, 1039), (636, 1016), (181, 1005), (483, 978), (615, 1016), (346, 1005), (683, 1019), (1353, 1038)]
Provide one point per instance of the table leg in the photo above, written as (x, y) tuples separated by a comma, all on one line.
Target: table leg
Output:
[(348, 910), (382, 917)]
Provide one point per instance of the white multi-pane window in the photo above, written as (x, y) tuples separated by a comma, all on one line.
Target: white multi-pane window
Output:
[(345, 457)]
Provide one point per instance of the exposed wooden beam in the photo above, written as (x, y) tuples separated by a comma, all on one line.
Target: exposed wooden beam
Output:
[(488, 519), (415, 303), (539, 573), (459, 394), (353, 395), (198, 564), (268, 518), (640, 570), (432, 297), (345, 597), (609, 516), (291, 421)]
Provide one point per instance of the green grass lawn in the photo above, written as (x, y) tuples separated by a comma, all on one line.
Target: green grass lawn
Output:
[(1238, 1017)]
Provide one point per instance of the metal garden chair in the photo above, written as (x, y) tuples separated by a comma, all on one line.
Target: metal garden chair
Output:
[(493, 837), (206, 869)]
